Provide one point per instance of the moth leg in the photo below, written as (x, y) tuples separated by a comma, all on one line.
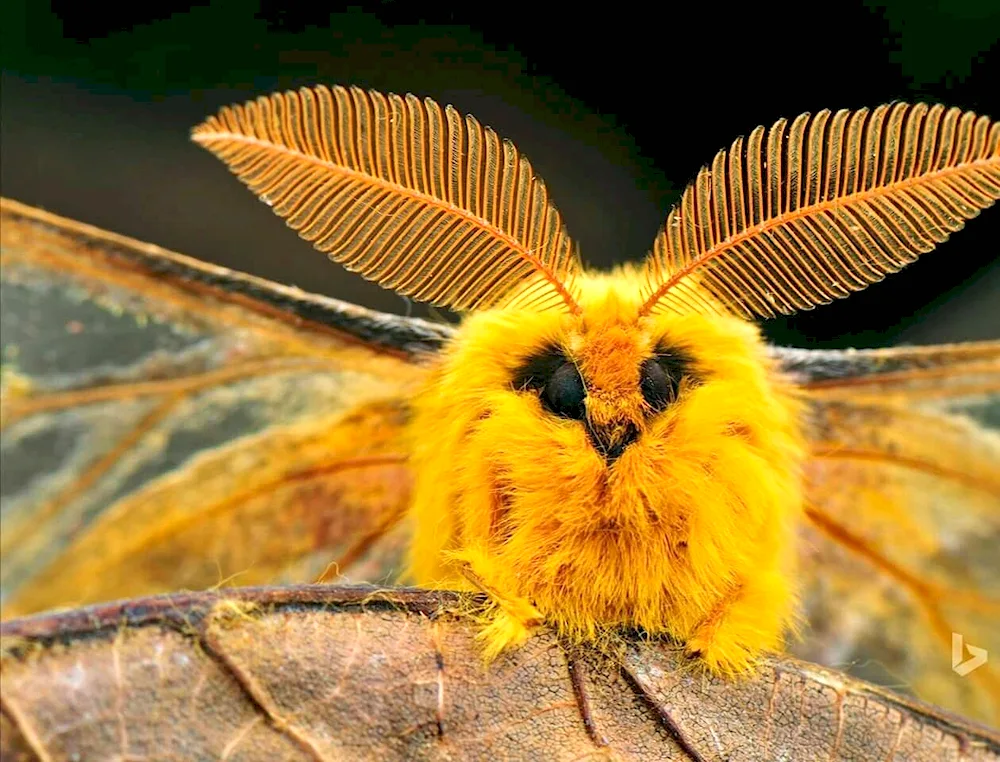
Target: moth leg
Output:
[(512, 618), (747, 621)]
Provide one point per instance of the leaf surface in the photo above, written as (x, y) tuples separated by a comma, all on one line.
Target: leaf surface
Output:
[(323, 673)]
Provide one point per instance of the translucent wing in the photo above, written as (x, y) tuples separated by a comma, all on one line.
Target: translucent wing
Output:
[(899, 555), (412, 196), (168, 424), (812, 211)]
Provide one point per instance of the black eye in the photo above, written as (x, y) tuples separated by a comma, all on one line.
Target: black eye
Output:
[(660, 378), (564, 393), (557, 381), (658, 389)]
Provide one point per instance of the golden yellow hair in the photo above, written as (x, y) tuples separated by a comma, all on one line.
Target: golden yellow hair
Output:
[(689, 532)]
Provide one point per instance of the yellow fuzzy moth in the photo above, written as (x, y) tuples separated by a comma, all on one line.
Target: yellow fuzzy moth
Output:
[(610, 450), (596, 451)]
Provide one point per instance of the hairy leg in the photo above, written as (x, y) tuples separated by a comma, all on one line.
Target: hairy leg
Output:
[(750, 619)]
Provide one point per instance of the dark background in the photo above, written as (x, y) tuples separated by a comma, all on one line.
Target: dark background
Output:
[(616, 107)]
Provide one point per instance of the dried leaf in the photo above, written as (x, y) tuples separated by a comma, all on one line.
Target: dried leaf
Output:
[(327, 673)]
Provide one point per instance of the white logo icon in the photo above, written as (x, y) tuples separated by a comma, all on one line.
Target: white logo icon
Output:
[(958, 646)]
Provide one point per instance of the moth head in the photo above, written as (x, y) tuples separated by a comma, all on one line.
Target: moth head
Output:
[(607, 397), (608, 369)]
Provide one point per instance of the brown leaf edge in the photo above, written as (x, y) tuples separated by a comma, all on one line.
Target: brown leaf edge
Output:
[(645, 699)]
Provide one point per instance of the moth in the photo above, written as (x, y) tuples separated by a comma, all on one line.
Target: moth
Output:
[(593, 451)]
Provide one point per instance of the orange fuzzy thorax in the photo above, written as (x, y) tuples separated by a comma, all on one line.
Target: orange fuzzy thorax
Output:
[(688, 533)]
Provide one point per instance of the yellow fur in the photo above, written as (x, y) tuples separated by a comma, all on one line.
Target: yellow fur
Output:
[(689, 533)]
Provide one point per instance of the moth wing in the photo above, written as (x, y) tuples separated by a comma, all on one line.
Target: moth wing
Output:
[(901, 572), (168, 424)]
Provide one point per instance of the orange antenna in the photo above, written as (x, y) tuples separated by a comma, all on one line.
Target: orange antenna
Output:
[(822, 207), (417, 198)]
